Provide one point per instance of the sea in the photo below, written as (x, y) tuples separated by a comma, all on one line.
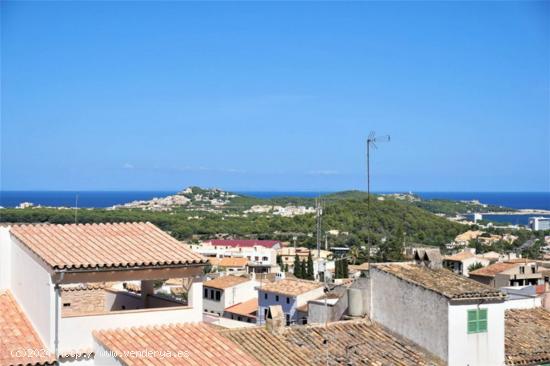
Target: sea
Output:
[(102, 199)]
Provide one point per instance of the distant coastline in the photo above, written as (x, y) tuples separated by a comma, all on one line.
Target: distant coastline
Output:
[(534, 203)]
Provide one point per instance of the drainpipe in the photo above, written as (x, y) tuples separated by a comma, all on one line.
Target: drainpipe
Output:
[(56, 327)]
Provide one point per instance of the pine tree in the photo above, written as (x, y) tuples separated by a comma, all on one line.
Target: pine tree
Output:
[(303, 271), (310, 274), (296, 270), (285, 268), (345, 272), (337, 269)]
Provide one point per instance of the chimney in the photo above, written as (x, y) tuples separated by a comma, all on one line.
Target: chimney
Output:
[(275, 320)]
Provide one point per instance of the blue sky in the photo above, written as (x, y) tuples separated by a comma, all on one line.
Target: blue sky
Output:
[(275, 96)]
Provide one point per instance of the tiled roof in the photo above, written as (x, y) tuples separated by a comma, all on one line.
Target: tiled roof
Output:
[(268, 349), (18, 335), (245, 243), (104, 245), (224, 282), (527, 336), (494, 269), (197, 344), (441, 281), (290, 287), (458, 257), (247, 308), (232, 262), (305, 345)]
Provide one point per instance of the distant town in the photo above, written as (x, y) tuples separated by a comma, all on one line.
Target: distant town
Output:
[(131, 279)]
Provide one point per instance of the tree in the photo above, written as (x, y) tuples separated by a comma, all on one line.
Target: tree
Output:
[(297, 263), (474, 266), (310, 274), (280, 261), (345, 272), (303, 269), (285, 268), (354, 253)]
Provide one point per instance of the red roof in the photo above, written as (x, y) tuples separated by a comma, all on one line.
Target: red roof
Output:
[(244, 243)]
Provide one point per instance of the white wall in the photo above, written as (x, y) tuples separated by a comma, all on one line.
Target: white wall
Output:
[(410, 311), (32, 287), (526, 303), (311, 295), (476, 349), (5, 258), (231, 296), (103, 357), (76, 332)]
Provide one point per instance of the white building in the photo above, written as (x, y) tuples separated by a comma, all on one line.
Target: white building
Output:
[(460, 262), (225, 291), (290, 294), (539, 223), (457, 319), (61, 275), (260, 254)]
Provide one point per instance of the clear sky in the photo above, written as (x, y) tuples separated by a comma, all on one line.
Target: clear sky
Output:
[(275, 96)]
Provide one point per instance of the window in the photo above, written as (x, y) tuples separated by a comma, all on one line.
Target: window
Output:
[(287, 319), (264, 258), (218, 295), (288, 300), (66, 304), (265, 296), (521, 269), (277, 298), (206, 293), (212, 294), (533, 269), (477, 321)]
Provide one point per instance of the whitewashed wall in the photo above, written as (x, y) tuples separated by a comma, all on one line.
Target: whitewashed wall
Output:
[(476, 349), (32, 287)]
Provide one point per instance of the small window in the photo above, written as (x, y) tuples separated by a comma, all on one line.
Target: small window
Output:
[(218, 295), (287, 319), (66, 304), (533, 269), (265, 296), (277, 298), (521, 269), (288, 300), (206, 293), (477, 321), (212, 294)]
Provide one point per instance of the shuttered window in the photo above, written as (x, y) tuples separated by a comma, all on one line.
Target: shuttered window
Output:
[(477, 321)]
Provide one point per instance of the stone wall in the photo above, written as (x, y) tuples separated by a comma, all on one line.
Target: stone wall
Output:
[(82, 300)]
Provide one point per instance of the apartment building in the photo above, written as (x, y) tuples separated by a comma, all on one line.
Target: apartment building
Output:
[(518, 272), (261, 255)]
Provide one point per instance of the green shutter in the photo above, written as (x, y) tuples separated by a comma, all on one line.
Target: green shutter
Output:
[(477, 321)]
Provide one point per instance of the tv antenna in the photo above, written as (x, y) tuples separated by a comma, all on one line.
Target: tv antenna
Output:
[(76, 209), (372, 140)]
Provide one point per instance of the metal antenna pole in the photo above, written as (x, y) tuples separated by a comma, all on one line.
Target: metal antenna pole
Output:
[(76, 209), (371, 140)]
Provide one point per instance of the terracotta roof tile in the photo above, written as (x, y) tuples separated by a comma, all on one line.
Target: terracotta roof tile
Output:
[(18, 334), (458, 257), (197, 344), (232, 262), (527, 335), (441, 281), (494, 269), (104, 245), (224, 282), (247, 308), (305, 345), (290, 286)]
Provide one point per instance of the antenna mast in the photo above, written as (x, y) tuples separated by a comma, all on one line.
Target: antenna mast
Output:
[(372, 140), (76, 209)]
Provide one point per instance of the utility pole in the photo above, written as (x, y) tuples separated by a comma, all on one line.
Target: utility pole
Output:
[(371, 142)]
